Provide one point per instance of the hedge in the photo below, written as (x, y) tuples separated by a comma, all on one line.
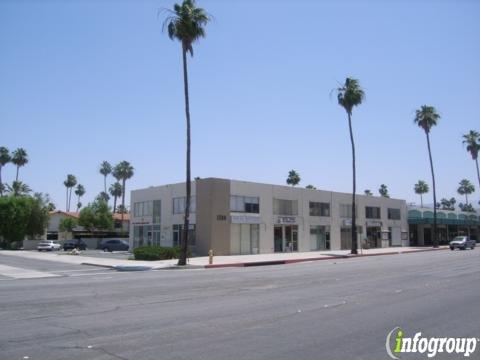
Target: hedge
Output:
[(152, 253)]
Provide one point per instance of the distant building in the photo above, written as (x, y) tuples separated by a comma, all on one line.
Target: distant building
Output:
[(449, 225), (239, 217), (56, 216)]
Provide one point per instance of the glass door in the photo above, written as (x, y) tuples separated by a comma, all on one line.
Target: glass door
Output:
[(294, 238), (278, 238)]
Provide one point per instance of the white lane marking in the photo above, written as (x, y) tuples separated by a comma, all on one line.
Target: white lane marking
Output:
[(21, 273)]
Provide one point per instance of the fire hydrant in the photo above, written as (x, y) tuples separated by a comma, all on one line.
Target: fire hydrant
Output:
[(210, 257)]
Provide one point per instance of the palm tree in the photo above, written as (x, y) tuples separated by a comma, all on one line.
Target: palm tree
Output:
[(4, 159), (103, 196), (350, 95), (116, 191), (427, 117), (383, 191), (18, 188), (186, 23), (79, 191), (124, 171), (105, 170), (420, 188), (368, 192), (293, 178), (19, 158), (472, 140), (465, 188), (448, 204), (69, 183)]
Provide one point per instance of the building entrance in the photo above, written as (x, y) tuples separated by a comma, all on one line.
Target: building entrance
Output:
[(374, 237), (285, 238)]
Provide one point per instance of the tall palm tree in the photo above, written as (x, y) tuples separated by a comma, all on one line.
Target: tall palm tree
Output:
[(350, 95), (4, 159), (105, 170), (472, 140), (124, 171), (465, 188), (116, 191), (19, 158), (293, 178), (186, 23), (420, 188), (69, 183), (79, 191), (427, 117)]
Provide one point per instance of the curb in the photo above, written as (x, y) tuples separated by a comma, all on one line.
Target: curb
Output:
[(293, 261), (98, 265)]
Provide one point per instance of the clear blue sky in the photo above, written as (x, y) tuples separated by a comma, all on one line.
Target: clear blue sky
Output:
[(87, 81)]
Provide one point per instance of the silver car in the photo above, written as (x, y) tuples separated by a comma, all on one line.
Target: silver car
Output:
[(462, 242), (48, 245)]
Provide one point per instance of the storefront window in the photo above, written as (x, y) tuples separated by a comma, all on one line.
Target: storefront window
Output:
[(178, 235), (244, 239)]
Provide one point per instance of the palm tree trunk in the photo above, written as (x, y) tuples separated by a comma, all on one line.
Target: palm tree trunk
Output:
[(66, 200), (123, 200), (435, 237), (18, 168), (354, 220), (114, 203), (105, 183), (478, 171), (421, 200), (183, 253), (70, 199), (466, 199), (1, 184)]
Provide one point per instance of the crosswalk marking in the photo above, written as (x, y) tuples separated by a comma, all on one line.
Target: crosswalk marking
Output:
[(20, 273)]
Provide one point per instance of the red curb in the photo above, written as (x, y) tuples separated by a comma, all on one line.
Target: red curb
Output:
[(293, 261), (213, 266)]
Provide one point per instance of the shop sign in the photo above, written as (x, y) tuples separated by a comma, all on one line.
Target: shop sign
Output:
[(286, 220), (245, 219)]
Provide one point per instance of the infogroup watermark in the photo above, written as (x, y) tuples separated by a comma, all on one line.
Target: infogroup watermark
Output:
[(397, 343)]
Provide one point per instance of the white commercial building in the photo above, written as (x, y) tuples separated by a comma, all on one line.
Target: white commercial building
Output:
[(238, 217)]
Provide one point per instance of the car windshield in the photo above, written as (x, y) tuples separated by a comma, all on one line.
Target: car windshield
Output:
[(459, 238)]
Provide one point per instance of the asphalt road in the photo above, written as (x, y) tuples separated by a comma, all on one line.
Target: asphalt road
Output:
[(335, 309)]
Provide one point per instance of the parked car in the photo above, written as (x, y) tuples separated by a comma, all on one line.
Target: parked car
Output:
[(74, 244), (462, 242), (114, 245), (48, 245)]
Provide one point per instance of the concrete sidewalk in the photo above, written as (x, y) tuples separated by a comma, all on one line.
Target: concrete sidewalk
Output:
[(219, 261)]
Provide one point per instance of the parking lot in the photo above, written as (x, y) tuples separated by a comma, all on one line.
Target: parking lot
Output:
[(122, 255)]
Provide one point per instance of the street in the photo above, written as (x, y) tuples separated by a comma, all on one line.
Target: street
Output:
[(331, 309)]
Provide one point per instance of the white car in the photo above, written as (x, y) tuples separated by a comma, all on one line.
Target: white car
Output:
[(462, 242), (48, 245)]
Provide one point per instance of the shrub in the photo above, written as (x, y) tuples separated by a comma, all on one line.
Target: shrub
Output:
[(178, 250), (152, 253)]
